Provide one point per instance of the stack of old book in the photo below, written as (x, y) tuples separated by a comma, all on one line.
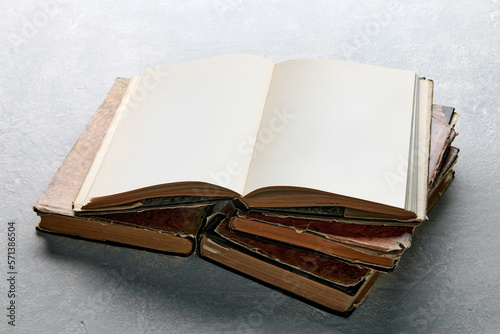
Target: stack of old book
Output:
[(308, 175), (326, 259)]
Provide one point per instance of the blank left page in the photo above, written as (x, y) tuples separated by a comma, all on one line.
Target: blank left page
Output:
[(187, 122)]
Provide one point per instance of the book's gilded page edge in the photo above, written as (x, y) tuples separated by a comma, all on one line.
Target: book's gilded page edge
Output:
[(424, 131), (82, 197)]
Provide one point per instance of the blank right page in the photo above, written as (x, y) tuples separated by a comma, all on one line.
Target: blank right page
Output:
[(338, 127)]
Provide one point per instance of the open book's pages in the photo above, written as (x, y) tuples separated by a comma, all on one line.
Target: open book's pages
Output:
[(302, 133), (170, 229), (323, 281)]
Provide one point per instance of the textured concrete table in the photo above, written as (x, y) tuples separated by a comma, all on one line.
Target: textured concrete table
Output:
[(57, 61)]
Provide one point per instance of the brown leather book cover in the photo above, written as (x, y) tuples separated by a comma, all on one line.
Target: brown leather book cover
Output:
[(340, 241), (322, 267), (379, 238)]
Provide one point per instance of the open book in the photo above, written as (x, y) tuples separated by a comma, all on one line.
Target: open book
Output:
[(298, 134)]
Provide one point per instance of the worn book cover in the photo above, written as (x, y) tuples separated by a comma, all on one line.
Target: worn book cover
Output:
[(442, 135), (379, 247)]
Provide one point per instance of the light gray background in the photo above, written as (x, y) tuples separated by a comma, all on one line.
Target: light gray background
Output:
[(57, 61)]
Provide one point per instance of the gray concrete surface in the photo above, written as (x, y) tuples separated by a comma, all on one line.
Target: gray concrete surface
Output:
[(58, 58)]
